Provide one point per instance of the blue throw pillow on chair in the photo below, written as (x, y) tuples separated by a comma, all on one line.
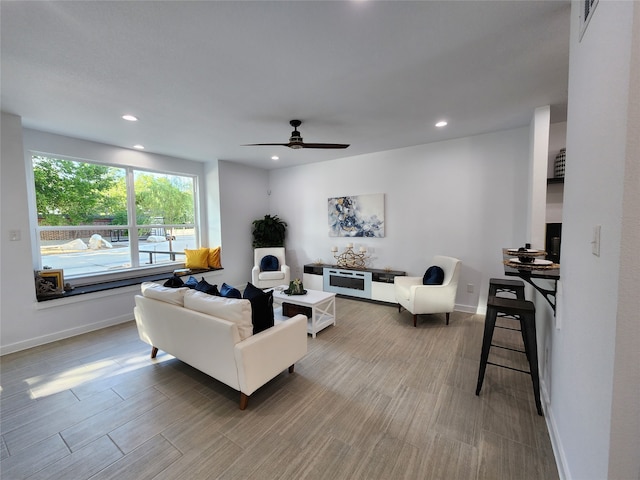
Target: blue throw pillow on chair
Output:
[(433, 276), (269, 263)]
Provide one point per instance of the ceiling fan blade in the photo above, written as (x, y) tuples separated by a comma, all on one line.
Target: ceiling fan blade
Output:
[(324, 145), (266, 144)]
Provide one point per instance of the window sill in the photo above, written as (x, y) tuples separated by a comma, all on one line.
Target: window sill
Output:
[(105, 288)]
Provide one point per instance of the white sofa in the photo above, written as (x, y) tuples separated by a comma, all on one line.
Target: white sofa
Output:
[(174, 320)]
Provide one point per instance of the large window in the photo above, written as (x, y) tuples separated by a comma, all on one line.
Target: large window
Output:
[(98, 219)]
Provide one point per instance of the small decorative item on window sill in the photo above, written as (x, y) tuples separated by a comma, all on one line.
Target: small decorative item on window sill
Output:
[(558, 167), (49, 282), (351, 259)]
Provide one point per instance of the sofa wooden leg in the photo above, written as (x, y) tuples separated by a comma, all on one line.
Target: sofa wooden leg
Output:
[(244, 401), (399, 308), (415, 320), (291, 368), (154, 352), (447, 314)]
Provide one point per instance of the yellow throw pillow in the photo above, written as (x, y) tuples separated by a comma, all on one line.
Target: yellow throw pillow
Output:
[(214, 258), (197, 258)]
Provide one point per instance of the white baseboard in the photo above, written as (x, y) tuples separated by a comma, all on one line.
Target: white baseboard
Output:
[(556, 445), (466, 308), (71, 332)]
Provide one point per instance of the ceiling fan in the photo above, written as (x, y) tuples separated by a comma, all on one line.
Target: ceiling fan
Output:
[(295, 141)]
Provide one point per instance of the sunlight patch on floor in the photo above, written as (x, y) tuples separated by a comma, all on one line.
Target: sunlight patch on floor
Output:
[(44, 386)]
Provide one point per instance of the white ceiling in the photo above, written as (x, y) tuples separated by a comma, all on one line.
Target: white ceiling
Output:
[(206, 77)]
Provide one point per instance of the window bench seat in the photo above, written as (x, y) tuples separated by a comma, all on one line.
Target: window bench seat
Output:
[(126, 282)]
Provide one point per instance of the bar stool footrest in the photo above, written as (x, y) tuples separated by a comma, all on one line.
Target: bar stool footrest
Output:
[(509, 368)]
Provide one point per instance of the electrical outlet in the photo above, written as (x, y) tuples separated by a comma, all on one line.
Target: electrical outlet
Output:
[(14, 235), (469, 287)]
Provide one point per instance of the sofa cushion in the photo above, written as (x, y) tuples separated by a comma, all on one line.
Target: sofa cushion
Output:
[(433, 276), (156, 291), (198, 259), (174, 282), (229, 291), (206, 287), (214, 258), (269, 263), (261, 307), (233, 310)]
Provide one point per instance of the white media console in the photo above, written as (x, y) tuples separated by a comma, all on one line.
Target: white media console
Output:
[(369, 284)]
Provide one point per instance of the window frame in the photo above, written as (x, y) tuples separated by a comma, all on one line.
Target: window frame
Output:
[(137, 269)]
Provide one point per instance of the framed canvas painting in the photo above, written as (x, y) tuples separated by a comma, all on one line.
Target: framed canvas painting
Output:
[(357, 216)]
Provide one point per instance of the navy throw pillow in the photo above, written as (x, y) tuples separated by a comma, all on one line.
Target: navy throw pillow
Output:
[(174, 282), (269, 263), (191, 282), (261, 307), (229, 292), (206, 287), (433, 276)]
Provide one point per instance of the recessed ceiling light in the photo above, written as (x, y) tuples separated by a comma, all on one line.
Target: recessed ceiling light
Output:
[(139, 147), (441, 123), (130, 118), (275, 157)]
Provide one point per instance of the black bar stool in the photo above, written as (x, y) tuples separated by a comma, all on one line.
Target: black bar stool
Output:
[(505, 285), (525, 312)]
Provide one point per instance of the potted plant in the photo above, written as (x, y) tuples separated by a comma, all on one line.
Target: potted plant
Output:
[(269, 232)]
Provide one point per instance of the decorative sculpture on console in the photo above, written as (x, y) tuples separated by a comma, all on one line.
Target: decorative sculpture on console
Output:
[(351, 259)]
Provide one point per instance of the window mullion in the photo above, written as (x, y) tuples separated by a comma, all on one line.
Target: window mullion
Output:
[(132, 221)]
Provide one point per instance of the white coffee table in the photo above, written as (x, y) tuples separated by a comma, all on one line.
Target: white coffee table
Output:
[(322, 304)]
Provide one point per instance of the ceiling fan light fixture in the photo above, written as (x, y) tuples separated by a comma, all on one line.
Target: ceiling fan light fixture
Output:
[(295, 145)]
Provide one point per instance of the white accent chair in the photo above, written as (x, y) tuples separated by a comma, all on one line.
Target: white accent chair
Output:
[(270, 279), (422, 299)]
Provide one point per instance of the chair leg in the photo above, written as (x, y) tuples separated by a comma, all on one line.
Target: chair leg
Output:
[(154, 352), (447, 314), (415, 320), (489, 325), (531, 350)]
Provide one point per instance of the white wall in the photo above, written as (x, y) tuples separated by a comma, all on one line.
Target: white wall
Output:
[(463, 198), (592, 346), (17, 293), (244, 198), (537, 178), (555, 191)]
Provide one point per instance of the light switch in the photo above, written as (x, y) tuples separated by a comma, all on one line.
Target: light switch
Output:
[(595, 243)]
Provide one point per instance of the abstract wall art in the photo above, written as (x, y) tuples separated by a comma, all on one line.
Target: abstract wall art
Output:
[(357, 216)]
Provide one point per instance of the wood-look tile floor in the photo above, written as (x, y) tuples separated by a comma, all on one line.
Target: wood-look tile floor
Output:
[(375, 398)]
